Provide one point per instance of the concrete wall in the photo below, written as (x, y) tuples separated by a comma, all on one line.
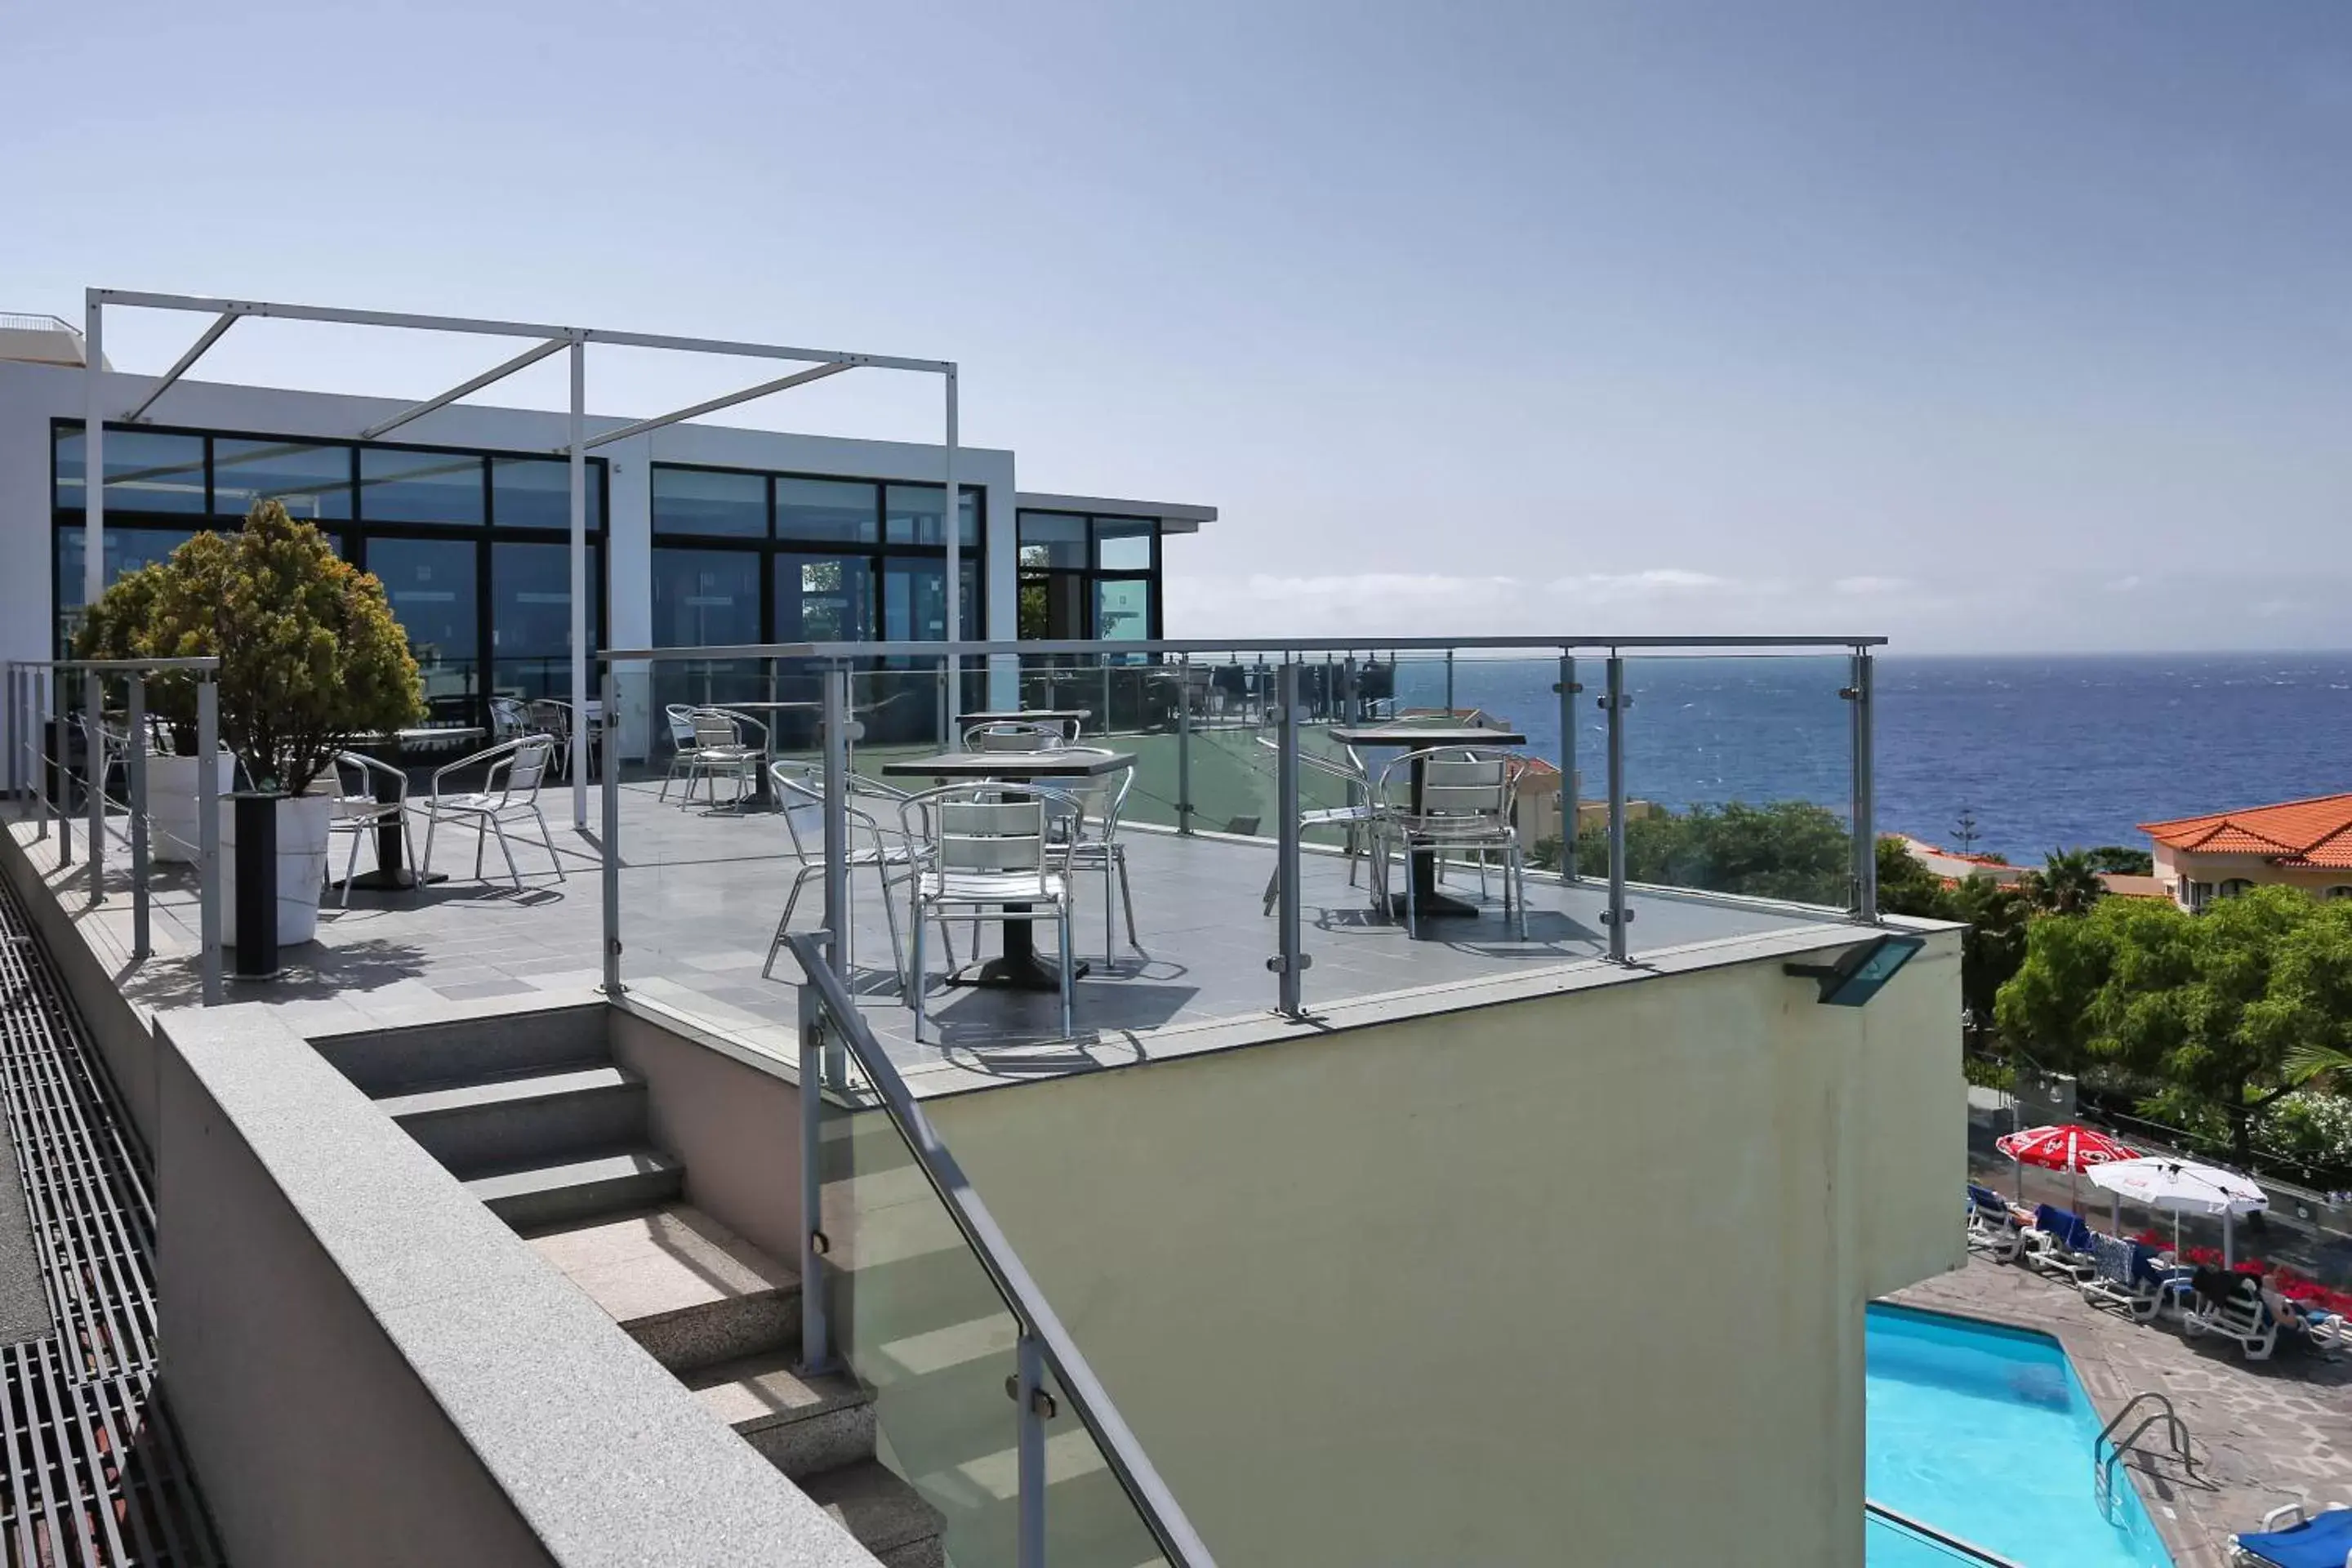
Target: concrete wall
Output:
[(370, 1369), (1572, 1280)]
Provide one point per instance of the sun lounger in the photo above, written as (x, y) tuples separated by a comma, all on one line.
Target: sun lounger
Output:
[(2059, 1242), (2291, 1538), (2125, 1274), (2234, 1311), (1992, 1229)]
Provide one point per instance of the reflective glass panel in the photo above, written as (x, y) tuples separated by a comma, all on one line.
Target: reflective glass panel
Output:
[(127, 550), (1052, 538), (839, 510), (823, 598), (431, 585), (910, 515), (706, 598), (708, 501), (1124, 543), (314, 483), (1122, 608), (530, 617), (420, 486), (536, 493), (145, 471)]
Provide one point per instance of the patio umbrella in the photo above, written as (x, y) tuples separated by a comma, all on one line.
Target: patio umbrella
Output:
[(2068, 1146), (2184, 1186)]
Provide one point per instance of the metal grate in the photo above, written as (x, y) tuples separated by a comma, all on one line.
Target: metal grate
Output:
[(92, 1470)]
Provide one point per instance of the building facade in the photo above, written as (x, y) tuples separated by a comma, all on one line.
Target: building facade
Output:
[(2304, 844)]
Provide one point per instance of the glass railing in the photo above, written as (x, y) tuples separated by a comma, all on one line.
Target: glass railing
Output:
[(983, 1400)]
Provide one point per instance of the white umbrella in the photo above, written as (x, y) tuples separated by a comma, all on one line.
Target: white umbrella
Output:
[(2183, 1186)]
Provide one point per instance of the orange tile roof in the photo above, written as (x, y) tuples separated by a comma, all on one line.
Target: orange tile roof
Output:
[(2296, 832)]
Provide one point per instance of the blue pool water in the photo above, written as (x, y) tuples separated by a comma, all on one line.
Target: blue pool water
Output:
[(1986, 1434)]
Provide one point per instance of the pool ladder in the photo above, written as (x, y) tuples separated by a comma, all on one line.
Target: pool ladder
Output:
[(2107, 1454)]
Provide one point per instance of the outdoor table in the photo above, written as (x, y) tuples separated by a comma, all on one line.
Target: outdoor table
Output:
[(763, 795), (1019, 968), (1422, 863), (392, 874), (1067, 718)]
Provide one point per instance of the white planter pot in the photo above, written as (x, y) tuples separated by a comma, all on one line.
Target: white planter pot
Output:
[(302, 823), (172, 804)]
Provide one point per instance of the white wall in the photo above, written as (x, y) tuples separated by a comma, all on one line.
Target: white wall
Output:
[(1572, 1281)]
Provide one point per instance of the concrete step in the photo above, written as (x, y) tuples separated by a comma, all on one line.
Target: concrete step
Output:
[(544, 1117), (692, 1293), (804, 1426), (576, 1190), (384, 1062), (889, 1516)]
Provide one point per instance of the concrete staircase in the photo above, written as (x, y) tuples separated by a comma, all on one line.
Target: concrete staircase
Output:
[(533, 1116)]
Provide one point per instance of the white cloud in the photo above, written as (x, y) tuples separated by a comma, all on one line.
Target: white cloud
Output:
[(2124, 584), (1871, 587)]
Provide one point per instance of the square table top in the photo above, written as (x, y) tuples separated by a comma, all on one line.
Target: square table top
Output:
[(1024, 715), (1069, 762), (1419, 737)]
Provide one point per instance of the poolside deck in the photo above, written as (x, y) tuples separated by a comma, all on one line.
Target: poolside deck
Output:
[(700, 892)]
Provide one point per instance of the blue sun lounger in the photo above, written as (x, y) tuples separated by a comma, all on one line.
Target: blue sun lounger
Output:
[(2322, 1542)]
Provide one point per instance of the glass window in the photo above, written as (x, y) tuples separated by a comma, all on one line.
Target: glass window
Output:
[(839, 510), (1124, 543), (432, 587), (913, 607), (314, 483), (1052, 538), (910, 515), (530, 617), (419, 487), (823, 598), (536, 493), (145, 471), (1122, 608), (706, 500), (127, 550), (706, 598)]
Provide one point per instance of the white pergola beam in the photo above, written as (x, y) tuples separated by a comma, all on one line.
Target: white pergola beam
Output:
[(529, 356), (798, 378), (195, 352)]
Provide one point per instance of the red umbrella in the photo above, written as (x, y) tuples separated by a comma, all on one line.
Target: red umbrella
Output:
[(2069, 1147)]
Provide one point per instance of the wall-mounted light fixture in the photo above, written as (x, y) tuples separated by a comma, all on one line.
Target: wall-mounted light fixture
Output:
[(1859, 971)]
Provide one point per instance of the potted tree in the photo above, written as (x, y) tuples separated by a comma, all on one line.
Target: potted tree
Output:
[(118, 626), (310, 659)]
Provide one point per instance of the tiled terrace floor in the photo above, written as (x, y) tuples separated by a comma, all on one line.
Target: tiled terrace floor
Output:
[(2264, 1433), (701, 891)]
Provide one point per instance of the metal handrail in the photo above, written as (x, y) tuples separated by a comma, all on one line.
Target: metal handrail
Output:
[(1951, 1543), (2103, 1464), (938, 649), (1161, 1514)]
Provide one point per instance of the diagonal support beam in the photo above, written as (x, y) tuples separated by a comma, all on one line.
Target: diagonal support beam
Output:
[(195, 352), (799, 378), (530, 356)]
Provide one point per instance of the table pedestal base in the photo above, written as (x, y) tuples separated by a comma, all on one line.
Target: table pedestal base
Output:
[(1434, 906), (1019, 972), (392, 879)]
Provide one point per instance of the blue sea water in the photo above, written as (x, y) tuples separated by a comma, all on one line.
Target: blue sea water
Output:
[(2044, 751)]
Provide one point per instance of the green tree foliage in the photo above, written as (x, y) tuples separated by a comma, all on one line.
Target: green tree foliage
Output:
[(2116, 860), (2067, 884), (2222, 1010), (1905, 886), (1789, 849), (1997, 915), (310, 655)]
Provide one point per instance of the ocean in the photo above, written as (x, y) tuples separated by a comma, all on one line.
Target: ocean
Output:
[(2042, 751)]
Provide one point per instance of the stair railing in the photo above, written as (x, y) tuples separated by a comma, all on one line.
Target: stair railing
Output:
[(829, 1019), (2106, 1454)]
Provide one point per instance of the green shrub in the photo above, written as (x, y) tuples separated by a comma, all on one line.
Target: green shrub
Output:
[(310, 655)]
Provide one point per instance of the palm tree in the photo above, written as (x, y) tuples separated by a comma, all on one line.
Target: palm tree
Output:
[(2067, 884), (2317, 1066)]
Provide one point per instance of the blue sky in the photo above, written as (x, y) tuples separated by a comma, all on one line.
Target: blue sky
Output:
[(1983, 324)]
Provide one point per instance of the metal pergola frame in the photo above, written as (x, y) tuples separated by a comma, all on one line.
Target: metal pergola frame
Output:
[(553, 339)]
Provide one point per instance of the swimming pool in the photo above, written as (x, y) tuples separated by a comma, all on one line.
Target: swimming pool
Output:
[(1985, 1433)]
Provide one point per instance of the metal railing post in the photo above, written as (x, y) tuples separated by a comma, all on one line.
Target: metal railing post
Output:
[(134, 763), (36, 688), (1567, 813), (15, 729), (1185, 744), (1865, 830), (208, 881), (93, 767), (1290, 961), (1029, 1446), (816, 1349), (837, 818), (60, 780), (609, 789), (1618, 916), (1449, 681)]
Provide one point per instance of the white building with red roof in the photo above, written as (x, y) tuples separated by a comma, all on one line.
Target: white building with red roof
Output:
[(2302, 844)]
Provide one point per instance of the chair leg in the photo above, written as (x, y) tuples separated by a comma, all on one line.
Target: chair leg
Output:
[(914, 989), (890, 918), (557, 860), (351, 865), (1110, 950), (784, 923), (505, 850), (482, 842), (425, 867), (1126, 896), (1066, 967)]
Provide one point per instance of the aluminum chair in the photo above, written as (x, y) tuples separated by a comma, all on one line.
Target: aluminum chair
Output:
[(680, 716), (1092, 828), (513, 772), (888, 850), (719, 749), (1008, 737), (552, 719), (509, 720), (359, 809), (1465, 805), (1355, 818), (984, 848)]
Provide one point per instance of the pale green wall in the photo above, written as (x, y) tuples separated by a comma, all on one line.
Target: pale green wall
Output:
[(1572, 1281)]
